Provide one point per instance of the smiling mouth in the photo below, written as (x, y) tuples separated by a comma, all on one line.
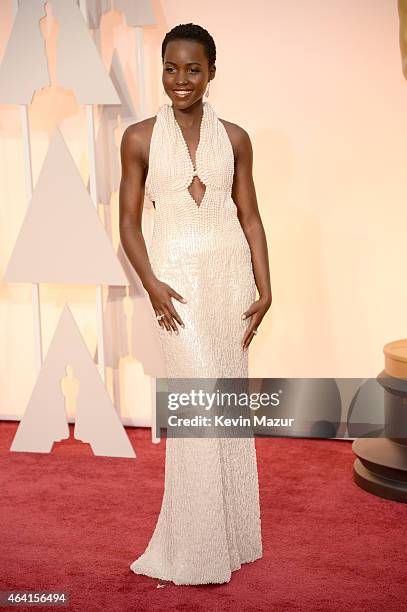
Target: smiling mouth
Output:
[(182, 93)]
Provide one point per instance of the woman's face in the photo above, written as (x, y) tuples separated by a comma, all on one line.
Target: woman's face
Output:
[(185, 67)]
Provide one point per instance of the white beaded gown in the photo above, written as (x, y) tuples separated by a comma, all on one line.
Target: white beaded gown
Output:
[(209, 523)]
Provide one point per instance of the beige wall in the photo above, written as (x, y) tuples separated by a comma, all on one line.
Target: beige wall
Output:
[(318, 86)]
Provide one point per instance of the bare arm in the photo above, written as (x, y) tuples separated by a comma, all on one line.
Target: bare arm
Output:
[(131, 203), (244, 196)]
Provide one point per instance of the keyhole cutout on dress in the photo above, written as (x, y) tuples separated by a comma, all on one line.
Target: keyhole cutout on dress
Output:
[(197, 189)]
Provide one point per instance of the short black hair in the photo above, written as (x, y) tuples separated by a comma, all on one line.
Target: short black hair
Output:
[(192, 31)]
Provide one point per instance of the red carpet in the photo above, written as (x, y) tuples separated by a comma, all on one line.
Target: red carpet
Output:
[(74, 522)]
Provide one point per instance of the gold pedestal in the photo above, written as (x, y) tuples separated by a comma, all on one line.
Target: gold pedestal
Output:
[(381, 466)]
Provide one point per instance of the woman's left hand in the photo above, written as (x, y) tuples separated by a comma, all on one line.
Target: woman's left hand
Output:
[(256, 311)]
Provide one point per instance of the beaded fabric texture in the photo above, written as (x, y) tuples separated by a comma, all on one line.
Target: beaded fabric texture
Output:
[(209, 523)]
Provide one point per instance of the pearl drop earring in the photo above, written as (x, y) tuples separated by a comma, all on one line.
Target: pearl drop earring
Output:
[(207, 91)]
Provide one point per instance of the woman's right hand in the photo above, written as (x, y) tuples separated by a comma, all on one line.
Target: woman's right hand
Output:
[(160, 294)]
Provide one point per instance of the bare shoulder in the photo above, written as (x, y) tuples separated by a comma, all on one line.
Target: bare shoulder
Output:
[(137, 137), (238, 136)]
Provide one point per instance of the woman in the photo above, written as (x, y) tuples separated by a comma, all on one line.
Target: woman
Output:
[(208, 252)]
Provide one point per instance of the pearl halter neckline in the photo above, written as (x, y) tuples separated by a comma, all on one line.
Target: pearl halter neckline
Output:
[(202, 133), (170, 178)]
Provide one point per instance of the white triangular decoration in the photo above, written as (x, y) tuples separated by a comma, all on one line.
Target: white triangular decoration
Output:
[(24, 66), (44, 421), (62, 239), (79, 66)]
